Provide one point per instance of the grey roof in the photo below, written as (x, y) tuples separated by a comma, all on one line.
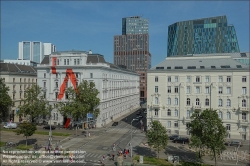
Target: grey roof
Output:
[(95, 58), (200, 63), (9, 67), (69, 52), (45, 60)]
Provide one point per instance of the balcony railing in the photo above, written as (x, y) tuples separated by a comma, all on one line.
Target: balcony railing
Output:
[(156, 105), (243, 108)]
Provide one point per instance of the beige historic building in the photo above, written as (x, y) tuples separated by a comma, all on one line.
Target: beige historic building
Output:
[(179, 85), (17, 78)]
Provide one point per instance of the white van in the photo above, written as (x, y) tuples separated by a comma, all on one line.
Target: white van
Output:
[(8, 125)]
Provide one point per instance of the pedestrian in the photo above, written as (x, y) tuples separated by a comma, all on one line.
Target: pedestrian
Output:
[(113, 157), (103, 157)]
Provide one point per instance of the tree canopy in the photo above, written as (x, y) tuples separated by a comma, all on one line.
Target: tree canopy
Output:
[(157, 136), (5, 100), (207, 131), (27, 129), (34, 104), (81, 101)]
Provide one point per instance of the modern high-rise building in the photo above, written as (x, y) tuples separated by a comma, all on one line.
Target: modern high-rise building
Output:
[(202, 36), (34, 50), (131, 49), (49, 48)]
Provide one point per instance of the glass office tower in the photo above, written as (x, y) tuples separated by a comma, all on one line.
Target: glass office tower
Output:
[(202, 36), (131, 49)]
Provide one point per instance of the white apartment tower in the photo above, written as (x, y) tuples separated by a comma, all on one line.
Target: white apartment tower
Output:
[(34, 50)]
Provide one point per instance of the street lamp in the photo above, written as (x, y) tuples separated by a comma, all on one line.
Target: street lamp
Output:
[(50, 134), (131, 138)]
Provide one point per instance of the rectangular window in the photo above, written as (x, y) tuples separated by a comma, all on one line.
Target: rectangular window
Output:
[(188, 79), (78, 61), (176, 124), (244, 128), (156, 89), (176, 89), (197, 89), (56, 84), (169, 123), (197, 79), (169, 101), (74, 61), (207, 90), (156, 112), (20, 79), (67, 61), (188, 89), (228, 127), (244, 90), (156, 79), (91, 75), (44, 75), (169, 78), (207, 79), (244, 79), (228, 90), (57, 61), (176, 78), (176, 101), (44, 84), (220, 90), (56, 76), (64, 61), (169, 89), (228, 79), (220, 79), (76, 75)]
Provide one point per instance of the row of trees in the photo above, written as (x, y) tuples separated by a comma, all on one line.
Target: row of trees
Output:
[(206, 129), (81, 101)]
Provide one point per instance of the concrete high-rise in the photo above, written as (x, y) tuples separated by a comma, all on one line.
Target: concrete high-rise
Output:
[(202, 36), (131, 49), (34, 50)]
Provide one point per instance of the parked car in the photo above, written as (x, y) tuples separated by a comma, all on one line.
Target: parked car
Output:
[(9, 125), (137, 118), (115, 124), (145, 111), (140, 116), (48, 127), (172, 137), (233, 143), (138, 113), (181, 140)]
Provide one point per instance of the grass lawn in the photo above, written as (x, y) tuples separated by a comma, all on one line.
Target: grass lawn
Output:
[(153, 161), (24, 147), (2, 143), (40, 132)]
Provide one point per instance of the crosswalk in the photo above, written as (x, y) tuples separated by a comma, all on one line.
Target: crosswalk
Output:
[(94, 157), (122, 130)]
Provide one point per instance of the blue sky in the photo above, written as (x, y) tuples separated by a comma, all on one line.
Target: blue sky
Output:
[(85, 25)]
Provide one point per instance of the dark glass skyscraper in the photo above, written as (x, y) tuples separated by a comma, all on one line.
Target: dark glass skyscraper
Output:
[(202, 36), (131, 49)]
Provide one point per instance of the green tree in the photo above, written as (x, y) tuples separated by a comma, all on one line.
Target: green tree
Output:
[(34, 103), (81, 101), (207, 131), (27, 129), (5, 100), (157, 136)]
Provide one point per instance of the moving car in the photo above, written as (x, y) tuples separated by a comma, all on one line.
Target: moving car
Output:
[(172, 137), (181, 140), (115, 124), (233, 143), (48, 127), (10, 125)]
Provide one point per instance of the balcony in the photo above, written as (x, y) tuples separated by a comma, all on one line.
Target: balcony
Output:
[(244, 121), (156, 105), (246, 109), (197, 106)]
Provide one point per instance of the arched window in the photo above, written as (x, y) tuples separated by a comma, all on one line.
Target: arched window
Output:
[(188, 101), (156, 100), (188, 113), (207, 102), (220, 103), (228, 115), (169, 112), (175, 112), (169, 101), (197, 101), (220, 114), (176, 101), (228, 102), (244, 103)]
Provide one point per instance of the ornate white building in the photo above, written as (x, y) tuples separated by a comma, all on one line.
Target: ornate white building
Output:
[(179, 85), (118, 88)]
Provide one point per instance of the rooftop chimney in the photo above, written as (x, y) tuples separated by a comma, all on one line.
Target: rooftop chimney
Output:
[(90, 52)]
